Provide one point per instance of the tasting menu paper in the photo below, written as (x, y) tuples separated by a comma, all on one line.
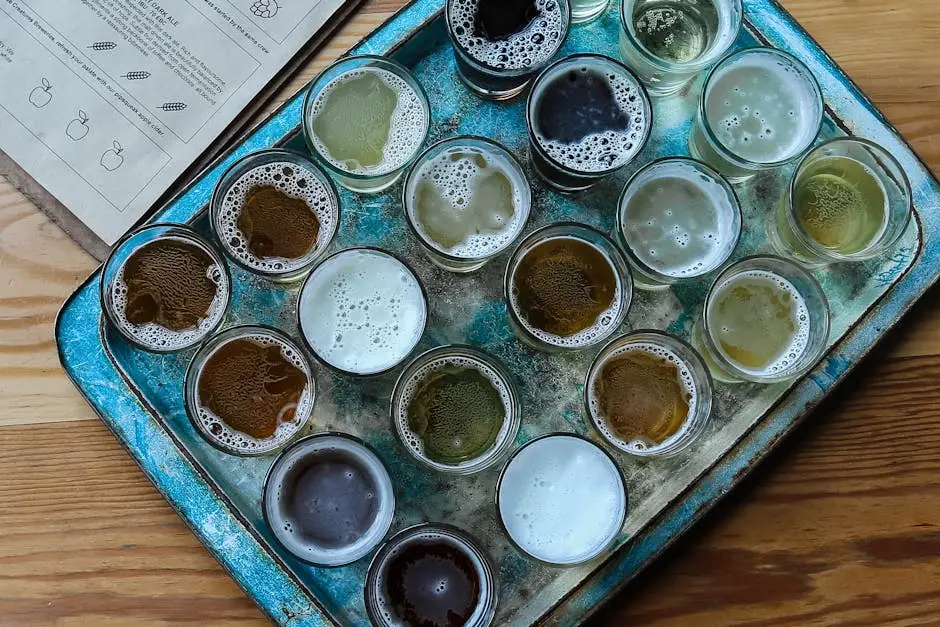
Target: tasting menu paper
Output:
[(105, 104)]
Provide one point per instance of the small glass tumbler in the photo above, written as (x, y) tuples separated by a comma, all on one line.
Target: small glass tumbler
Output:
[(501, 68), (483, 241), (849, 200), (678, 219), (561, 499), (566, 268), (408, 122), (292, 175), (214, 428), (760, 109), (446, 359), (765, 320), (649, 436), (362, 311), (584, 11), (670, 68), (422, 545), (154, 314), (328, 499), (564, 105)]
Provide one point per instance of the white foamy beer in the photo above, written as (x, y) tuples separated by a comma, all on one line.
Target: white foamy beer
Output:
[(362, 311), (678, 219), (546, 508), (760, 108)]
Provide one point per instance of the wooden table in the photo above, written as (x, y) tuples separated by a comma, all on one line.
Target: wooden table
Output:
[(842, 526)]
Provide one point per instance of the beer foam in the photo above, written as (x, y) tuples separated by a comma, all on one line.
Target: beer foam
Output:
[(798, 343), (545, 507), (762, 108), (606, 323), (290, 534), (682, 225), (407, 129), (605, 150), (218, 430), (685, 380), (532, 46), (455, 181), (362, 311), (159, 337), (292, 179), (380, 593), (413, 441)]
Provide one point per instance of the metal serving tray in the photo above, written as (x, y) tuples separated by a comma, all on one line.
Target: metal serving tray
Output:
[(139, 395)]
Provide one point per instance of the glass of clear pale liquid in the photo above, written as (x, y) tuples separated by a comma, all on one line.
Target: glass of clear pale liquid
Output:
[(760, 109), (365, 119), (668, 42), (849, 200), (765, 320)]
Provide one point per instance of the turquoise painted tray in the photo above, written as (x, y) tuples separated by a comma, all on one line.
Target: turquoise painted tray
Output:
[(139, 396)]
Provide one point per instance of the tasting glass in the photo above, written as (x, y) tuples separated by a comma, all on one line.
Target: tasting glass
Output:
[(443, 259), (291, 269), (664, 77), (589, 235), (786, 232), (689, 359), (705, 339), (489, 584), (647, 277), (563, 177), (362, 182), (448, 354), (488, 81), (300, 423), (126, 247), (704, 143)]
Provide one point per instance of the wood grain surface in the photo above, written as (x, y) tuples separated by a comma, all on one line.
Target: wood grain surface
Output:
[(840, 527)]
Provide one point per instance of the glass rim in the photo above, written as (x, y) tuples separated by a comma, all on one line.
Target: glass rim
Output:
[(319, 435), (459, 140), (810, 357), (719, 147), (693, 66), (573, 58), (693, 361), (622, 274), (617, 469), (717, 177), (513, 413), (470, 60), (269, 155), (206, 350), (313, 271), (315, 87), (186, 232), (880, 154), (452, 532)]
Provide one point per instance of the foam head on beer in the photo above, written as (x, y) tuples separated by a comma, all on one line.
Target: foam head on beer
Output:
[(362, 311), (546, 508)]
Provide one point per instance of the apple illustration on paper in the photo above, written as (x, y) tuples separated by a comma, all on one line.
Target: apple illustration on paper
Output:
[(112, 158), (40, 96), (78, 128)]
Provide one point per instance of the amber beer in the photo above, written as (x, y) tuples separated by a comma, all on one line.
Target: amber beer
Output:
[(275, 213), (567, 287), (165, 288)]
